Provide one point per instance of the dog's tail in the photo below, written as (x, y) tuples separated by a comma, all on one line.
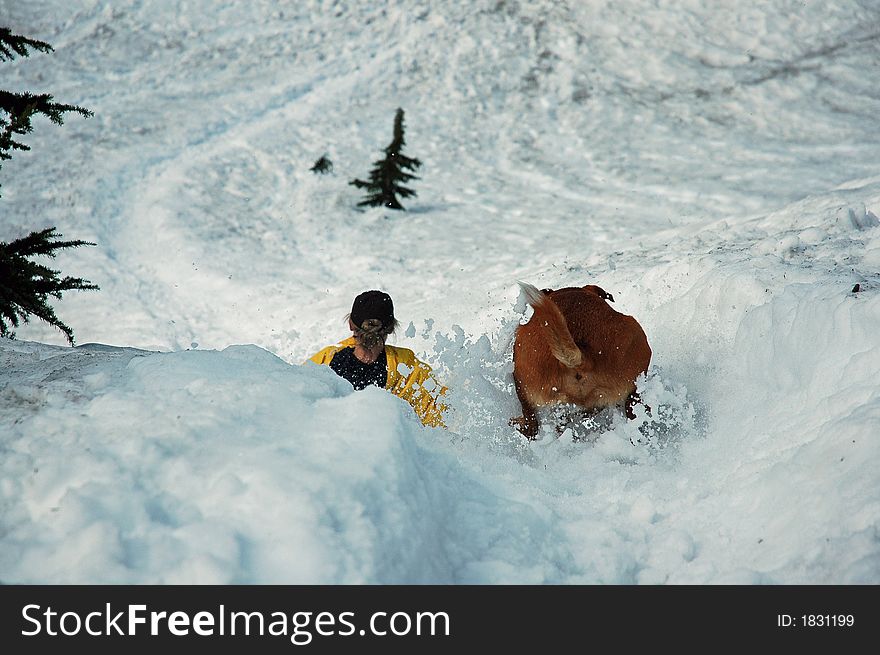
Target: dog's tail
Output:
[(559, 337)]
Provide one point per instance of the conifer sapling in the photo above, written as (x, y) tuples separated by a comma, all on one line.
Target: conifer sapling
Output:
[(322, 166), (388, 175)]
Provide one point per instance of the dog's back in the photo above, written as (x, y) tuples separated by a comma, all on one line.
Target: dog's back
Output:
[(576, 349)]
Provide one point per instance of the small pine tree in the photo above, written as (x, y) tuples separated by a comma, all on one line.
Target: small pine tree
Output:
[(24, 284), (388, 174), (322, 166)]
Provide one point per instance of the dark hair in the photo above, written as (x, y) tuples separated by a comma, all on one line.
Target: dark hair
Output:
[(371, 333), (372, 314)]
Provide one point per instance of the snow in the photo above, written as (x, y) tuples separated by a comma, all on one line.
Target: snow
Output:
[(713, 167)]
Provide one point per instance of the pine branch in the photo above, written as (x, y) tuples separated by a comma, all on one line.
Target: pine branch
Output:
[(27, 104), (38, 243), (12, 44), (360, 184), (20, 108), (25, 285)]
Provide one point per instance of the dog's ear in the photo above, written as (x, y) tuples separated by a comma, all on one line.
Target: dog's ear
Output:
[(603, 294)]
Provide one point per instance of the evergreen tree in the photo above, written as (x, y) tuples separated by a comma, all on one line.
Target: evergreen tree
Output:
[(323, 165), (25, 285), (388, 174)]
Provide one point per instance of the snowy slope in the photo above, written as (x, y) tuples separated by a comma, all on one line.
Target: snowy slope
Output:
[(714, 167)]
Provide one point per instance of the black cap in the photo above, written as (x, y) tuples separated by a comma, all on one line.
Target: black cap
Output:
[(373, 304)]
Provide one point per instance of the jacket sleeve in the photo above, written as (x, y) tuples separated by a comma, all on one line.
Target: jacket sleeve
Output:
[(415, 383)]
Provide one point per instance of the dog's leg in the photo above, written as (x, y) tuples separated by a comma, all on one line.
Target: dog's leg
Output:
[(527, 424), (632, 400)]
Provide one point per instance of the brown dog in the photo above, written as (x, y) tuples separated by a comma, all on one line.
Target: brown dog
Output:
[(575, 349)]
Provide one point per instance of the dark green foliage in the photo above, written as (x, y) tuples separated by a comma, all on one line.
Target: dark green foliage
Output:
[(17, 109), (25, 285), (12, 44), (388, 174), (323, 165)]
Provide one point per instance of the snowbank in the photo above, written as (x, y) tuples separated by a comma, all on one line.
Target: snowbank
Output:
[(235, 467)]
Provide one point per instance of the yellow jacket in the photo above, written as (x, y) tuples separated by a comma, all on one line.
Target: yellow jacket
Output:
[(408, 377)]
